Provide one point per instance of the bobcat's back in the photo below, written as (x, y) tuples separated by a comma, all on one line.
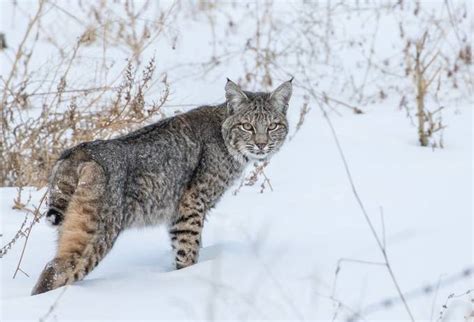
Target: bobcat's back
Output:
[(147, 170)]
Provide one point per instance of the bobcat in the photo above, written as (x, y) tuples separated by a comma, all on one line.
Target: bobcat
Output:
[(171, 172)]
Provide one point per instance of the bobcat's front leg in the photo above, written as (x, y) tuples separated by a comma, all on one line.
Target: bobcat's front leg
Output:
[(186, 231), (215, 172)]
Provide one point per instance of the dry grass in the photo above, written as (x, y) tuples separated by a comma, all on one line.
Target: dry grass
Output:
[(40, 121), (423, 83)]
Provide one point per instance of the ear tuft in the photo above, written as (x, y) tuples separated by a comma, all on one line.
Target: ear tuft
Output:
[(234, 96), (280, 97)]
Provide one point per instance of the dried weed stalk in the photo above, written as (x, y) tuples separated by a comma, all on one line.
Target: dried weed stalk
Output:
[(40, 121), (423, 79)]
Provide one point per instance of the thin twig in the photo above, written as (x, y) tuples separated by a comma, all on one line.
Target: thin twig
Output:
[(34, 221), (434, 298), (349, 260), (367, 218), (382, 219), (359, 201)]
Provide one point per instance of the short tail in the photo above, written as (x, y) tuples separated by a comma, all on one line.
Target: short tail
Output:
[(62, 185)]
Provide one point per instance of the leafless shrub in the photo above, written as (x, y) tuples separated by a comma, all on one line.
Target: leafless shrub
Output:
[(39, 121), (33, 145), (420, 71)]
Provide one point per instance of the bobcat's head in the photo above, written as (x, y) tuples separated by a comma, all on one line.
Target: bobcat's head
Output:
[(256, 124)]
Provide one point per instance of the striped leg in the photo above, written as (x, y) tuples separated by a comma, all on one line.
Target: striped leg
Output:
[(202, 193), (186, 232)]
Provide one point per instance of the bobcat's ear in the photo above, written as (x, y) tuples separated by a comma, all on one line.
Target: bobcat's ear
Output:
[(280, 97), (234, 95)]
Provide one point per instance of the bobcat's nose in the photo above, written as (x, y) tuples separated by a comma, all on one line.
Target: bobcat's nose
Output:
[(261, 146)]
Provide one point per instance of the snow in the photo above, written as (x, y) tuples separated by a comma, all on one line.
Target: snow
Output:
[(273, 255)]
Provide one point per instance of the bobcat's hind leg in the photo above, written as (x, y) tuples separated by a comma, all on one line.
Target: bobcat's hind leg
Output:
[(84, 238)]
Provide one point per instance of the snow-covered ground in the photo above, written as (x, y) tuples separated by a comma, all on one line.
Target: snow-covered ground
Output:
[(274, 255)]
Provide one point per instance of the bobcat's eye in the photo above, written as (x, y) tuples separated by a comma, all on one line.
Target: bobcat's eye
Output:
[(272, 126), (247, 127)]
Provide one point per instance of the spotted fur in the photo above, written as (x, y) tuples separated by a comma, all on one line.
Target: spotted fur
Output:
[(172, 172)]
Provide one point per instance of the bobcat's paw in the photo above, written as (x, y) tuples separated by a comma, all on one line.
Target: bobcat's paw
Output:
[(53, 276)]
